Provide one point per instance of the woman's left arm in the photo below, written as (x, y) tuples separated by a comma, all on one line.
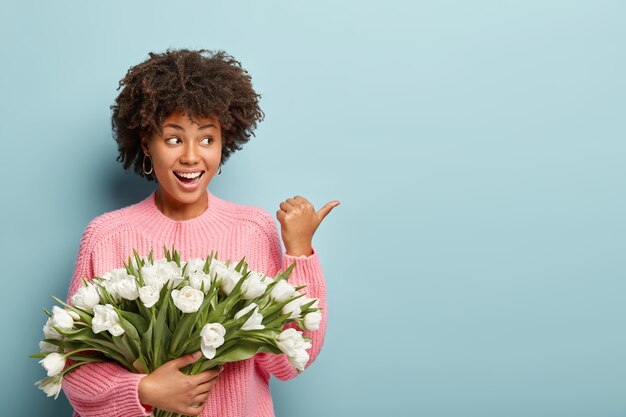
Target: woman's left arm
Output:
[(297, 226)]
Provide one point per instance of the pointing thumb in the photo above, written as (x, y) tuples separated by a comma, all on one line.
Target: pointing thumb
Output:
[(323, 212)]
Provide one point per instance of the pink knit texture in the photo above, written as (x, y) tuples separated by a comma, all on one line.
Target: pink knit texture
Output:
[(234, 231)]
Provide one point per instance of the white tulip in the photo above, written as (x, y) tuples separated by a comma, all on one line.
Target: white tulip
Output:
[(216, 265), (254, 321), (61, 318), (53, 363), (299, 360), (120, 284), (254, 286), (45, 347), (188, 300), (106, 319), (127, 288), (211, 337), (86, 297), (200, 281), (293, 307), (292, 343), (51, 386), (312, 320), (149, 295), (194, 266), (229, 277), (49, 332), (161, 273), (282, 291)]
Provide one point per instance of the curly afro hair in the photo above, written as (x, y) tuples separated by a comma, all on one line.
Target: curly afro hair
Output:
[(201, 83)]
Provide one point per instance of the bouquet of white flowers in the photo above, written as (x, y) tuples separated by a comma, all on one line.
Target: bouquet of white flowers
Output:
[(152, 311)]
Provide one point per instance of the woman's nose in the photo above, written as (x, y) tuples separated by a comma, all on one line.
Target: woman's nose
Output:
[(190, 154)]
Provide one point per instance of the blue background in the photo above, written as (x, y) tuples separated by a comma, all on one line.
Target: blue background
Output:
[(476, 264)]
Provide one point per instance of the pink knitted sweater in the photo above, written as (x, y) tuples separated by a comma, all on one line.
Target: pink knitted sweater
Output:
[(234, 231)]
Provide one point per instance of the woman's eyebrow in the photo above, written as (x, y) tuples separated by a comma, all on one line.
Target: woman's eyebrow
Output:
[(177, 127)]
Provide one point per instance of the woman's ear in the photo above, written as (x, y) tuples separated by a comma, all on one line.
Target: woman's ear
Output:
[(144, 145)]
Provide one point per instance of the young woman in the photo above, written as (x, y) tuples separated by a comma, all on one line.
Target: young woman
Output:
[(178, 118)]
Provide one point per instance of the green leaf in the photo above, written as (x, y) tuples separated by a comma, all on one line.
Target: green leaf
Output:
[(87, 359), (138, 321), (111, 351), (176, 256), (68, 333), (233, 298), (277, 321), (129, 330), (208, 305), (101, 341), (200, 365), (243, 350), (240, 264), (64, 304), (64, 344), (207, 264), (306, 307), (146, 345), (277, 306), (183, 331), (107, 298), (85, 315), (286, 273), (191, 345), (130, 270), (262, 336), (124, 348), (140, 262), (173, 313), (168, 257), (141, 365), (162, 335)]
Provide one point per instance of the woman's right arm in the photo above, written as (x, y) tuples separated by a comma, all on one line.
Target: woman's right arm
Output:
[(99, 389), (104, 389)]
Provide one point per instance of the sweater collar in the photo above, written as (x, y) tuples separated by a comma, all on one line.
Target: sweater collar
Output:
[(152, 222), (162, 218)]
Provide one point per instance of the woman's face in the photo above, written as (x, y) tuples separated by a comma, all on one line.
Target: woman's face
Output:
[(185, 156)]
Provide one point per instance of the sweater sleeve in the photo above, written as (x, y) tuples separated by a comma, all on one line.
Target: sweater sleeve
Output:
[(307, 271), (99, 389)]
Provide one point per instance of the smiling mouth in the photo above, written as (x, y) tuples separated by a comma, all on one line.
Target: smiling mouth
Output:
[(189, 177)]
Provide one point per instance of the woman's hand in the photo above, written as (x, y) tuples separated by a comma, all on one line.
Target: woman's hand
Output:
[(169, 389), (298, 222)]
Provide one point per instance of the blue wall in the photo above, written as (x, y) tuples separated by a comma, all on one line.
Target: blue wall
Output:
[(476, 264)]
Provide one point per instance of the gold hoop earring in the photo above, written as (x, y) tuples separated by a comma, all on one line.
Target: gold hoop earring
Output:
[(145, 171), (219, 169)]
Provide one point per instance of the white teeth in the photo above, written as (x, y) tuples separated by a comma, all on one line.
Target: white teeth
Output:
[(189, 175)]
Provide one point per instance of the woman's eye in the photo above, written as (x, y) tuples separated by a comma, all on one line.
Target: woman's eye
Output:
[(172, 141), (207, 140)]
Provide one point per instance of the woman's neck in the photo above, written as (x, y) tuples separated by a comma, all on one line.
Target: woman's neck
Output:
[(178, 211)]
